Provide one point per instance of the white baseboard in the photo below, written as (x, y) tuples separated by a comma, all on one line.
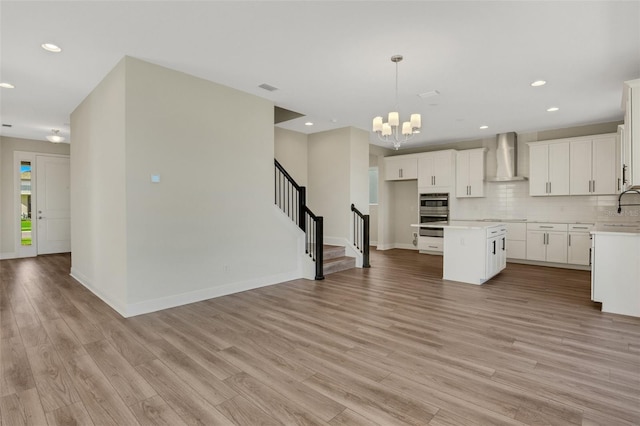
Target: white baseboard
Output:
[(550, 264), (152, 305), (119, 307), (405, 246), (172, 301), (396, 246), (4, 256)]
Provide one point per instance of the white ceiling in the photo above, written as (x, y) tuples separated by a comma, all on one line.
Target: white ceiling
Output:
[(331, 60)]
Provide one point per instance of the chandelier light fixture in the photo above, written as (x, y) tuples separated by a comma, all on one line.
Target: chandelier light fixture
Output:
[(55, 137), (391, 130)]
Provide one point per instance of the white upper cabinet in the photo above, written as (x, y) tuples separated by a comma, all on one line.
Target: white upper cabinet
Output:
[(470, 173), (548, 168), (436, 171), (593, 169), (401, 167)]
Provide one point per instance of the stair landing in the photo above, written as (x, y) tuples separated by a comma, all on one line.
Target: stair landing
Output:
[(335, 260)]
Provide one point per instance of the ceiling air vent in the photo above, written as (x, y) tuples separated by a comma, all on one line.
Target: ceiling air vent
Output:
[(428, 94), (268, 87)]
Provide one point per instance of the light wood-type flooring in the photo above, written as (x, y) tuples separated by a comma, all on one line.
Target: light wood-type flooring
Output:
[(394, 344)]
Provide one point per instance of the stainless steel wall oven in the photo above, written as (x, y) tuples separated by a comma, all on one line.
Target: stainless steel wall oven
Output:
[(433, 208)]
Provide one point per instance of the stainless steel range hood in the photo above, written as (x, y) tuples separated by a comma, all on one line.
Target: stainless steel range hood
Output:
[(506, 156)]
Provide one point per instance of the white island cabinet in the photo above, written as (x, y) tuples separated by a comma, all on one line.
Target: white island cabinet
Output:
[(473, 252), (615, 273)]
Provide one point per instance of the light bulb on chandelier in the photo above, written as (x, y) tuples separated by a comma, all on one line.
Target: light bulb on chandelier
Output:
[(391, 130)]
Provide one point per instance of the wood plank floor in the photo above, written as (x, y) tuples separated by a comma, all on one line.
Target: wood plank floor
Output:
[(393, 344)]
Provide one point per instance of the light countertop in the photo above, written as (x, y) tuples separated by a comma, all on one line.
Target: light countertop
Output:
[(617, 228), (458, 224)]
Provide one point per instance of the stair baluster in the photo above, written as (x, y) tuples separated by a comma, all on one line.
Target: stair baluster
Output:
[(291, 199)]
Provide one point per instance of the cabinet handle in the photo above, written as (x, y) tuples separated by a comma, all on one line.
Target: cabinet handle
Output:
[(580, 227), (503, 243), (549, 187), (590, 256), (594, 186), (494, 246), (618, 184), (433, 247), (569, 240), (400, 173), (546, 227)]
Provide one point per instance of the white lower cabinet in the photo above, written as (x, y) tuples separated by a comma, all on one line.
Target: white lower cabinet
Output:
[(433, 244), (615, 275), (579, 244), (496, 253), (547, 242), (516, 240)]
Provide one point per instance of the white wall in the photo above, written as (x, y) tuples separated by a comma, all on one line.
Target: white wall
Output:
[(98, 191), (329, 188), (210, 226), (359, 169), (8, 181), (338, 173), (291, 151)]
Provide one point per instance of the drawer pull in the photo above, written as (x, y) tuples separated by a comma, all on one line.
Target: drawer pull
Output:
[(547, 227)]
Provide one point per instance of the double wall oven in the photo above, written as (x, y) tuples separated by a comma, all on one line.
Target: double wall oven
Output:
[(433, 208)]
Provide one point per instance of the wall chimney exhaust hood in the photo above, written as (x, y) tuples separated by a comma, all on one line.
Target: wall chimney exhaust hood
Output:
[(506, 155)]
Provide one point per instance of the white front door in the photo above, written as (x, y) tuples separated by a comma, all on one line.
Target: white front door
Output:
[(53, 204)]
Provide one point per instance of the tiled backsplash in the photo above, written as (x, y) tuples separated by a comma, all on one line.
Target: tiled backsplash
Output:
[(511, 200)]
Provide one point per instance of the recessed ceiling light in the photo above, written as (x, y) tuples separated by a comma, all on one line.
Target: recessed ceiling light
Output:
[(552, 109), (484, 127), (538, 83), (308, 123), (7, 86), (50, 47)]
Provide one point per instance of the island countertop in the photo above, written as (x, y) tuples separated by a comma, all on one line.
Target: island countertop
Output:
[(458, 224)]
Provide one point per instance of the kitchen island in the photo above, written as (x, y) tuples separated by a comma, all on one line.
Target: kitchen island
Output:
[(474, 252), (615, 271)]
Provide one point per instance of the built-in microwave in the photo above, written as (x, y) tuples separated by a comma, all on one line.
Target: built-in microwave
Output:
[(434, 207)]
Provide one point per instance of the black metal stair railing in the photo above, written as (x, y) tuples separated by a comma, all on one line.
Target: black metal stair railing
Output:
[(292, 200), (361, 235)]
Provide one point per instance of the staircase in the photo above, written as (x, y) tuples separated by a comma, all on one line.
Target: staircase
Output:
[(335, 259), (291, 199)]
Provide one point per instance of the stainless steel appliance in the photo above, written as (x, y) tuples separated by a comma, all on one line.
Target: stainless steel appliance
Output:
[(433, 208)]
